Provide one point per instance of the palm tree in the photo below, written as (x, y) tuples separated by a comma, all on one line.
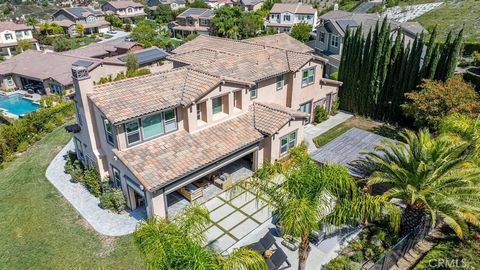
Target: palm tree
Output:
[(432, 176), (306, 196), (32, 21), (179, 244)]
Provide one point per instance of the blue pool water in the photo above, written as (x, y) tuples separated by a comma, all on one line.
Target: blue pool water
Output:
[(17, 105)]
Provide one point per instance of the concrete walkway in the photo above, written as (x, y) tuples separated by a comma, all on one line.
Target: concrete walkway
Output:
[(103, 221), (312, 131)]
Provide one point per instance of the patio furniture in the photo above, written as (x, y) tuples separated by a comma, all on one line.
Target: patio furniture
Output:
[(191, 192), (201, 183), (277, 260), (290, 242), (224, 181), (316, 237), (264, 244)]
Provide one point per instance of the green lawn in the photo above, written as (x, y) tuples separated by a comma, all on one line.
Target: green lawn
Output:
[(454, 16), (358, 122), (39, 229)]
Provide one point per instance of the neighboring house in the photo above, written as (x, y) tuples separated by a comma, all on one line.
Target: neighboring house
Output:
[(52, 71), (192, 20), (104, 50), (251, 5), (11, 33), (124, 9), (92, 20), (174, 4), (333, 27), (214, 4), (283, 16), (227, 102)]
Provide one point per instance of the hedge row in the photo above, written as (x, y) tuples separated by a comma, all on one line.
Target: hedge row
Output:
[(23, 132), (469, 48)]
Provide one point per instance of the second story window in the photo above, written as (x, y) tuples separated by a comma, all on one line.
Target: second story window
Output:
[(170, 121), (334, 41), (308, 76), (279, 82), (133, 131), (321, 36), (108, 131), (286, 18), (26, 33), (253, 92), (8, 37), (217, 105), (152, 126), (130, 10)]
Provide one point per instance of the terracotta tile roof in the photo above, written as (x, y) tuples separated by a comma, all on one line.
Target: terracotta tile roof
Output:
[(293, 8), (171, 157), (281, 41), (248, 60), (41, 65), (121, 4), (8, 25), (166, 159), (134, 97)]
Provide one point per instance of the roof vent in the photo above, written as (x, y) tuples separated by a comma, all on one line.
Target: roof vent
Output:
[(80, 72)]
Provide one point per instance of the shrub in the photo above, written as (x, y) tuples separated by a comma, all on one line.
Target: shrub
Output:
[(341, 263), (476, 57), (437, 99), (320, 114), (31, 128), (335, 106), (113, 199), (357, 257), (334, 76), (92, 181), (358, 245), (301, 31)]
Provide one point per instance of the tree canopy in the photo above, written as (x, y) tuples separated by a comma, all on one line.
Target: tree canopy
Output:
[(148, 33), (232, 22), (436, 99), (301, 31)]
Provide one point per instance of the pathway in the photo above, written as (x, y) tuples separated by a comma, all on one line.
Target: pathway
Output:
[(103, 221), (365, 6), (312, 131)]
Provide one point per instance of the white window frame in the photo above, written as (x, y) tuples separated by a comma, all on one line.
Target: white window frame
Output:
[(254, 92), (291, 142), (285, 17), (221, 105), (114, 179), (138, 131), (108, 134), (309, 79), (8, 36), (280, 82), (79, 149)]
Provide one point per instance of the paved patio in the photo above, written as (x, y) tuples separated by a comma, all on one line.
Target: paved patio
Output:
[(103, 221), (239, 170), (311, 131)]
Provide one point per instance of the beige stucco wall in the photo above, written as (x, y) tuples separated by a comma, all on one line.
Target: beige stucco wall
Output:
[(272, 143)]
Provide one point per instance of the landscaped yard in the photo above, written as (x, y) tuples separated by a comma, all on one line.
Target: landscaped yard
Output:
[(358, 122), (39, 229), (453, 16)]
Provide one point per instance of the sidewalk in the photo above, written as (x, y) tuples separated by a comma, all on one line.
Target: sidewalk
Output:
[(312, 131), (103, 221)]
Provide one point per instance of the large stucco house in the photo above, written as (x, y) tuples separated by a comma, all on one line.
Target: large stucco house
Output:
[(225, 100), (124, 9), (283, 17), (11, 33), (192, 21), (333, 26), (92, 20)]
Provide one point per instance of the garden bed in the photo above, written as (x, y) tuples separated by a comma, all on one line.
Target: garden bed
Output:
[(370, 245)]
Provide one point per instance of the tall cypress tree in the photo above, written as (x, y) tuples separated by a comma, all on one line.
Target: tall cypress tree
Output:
[(454, 55)]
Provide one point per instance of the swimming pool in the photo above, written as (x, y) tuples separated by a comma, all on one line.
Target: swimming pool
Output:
[(17, 105)]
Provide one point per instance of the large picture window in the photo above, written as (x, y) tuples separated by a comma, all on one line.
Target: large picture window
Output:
[(217, 106), (108, 131), (287, 142), (152, 126), (308, 76)]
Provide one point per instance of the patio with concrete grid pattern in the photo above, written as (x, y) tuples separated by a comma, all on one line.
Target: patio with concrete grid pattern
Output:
[(234, 214)]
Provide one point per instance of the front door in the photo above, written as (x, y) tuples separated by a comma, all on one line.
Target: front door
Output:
[(307, 108), (139, 200)]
